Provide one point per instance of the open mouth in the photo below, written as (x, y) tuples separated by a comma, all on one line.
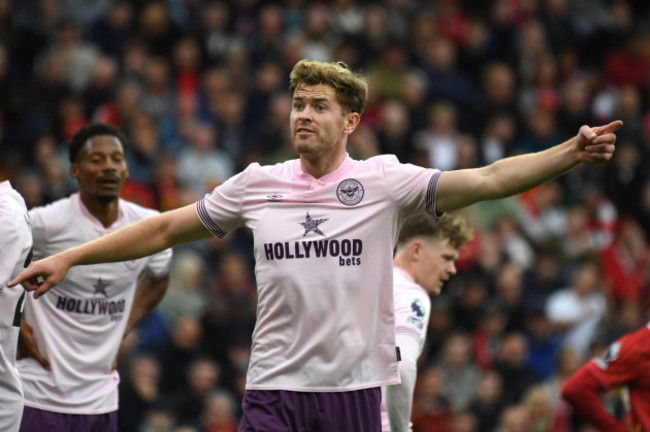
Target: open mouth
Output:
[(304, 131), (109, 182)]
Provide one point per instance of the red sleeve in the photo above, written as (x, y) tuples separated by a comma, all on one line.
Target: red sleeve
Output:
[(619, 365), (582, 392)]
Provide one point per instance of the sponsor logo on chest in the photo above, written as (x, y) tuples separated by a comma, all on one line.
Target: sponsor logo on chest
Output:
[(348, 250), (100, 304)]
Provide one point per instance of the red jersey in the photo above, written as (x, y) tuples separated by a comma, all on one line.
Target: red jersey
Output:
[(625, 363)]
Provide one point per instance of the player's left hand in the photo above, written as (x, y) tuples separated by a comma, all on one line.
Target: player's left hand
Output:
[(597, 144)]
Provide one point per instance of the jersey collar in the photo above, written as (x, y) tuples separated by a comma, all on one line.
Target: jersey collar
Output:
[(93, 221), (332, 177)]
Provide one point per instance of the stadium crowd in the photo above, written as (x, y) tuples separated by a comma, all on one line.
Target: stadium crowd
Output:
[(200, 90)]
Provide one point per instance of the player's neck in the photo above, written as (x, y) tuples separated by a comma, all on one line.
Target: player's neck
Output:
[(400, 262), (320, 165), (106, 212)]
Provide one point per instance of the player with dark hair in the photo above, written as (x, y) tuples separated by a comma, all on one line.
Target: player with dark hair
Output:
[(427, 249), (324, 229), (15, 255), (625, 365), (71, 337)]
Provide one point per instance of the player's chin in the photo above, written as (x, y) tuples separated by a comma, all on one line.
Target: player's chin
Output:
[(107, 196)]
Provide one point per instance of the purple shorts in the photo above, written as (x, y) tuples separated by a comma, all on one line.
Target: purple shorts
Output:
[(37, 420), (288, 411)]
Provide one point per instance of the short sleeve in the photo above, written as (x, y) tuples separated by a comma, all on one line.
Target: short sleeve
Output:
[(159, 264), (220, 210), (621, 363), (412, 316), (38, 232), (414, 188), (11, 249)]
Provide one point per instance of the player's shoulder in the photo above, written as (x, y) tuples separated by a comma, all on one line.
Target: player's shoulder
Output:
[(11, 202), (406, 291), (628, 348), (638, 340), (381, 160), (137, 211), (281, 169), (255, 171), (60, 210)]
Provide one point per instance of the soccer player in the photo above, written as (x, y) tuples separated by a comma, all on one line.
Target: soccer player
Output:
[(73, 334), (427, 249), (626, 365), (324, 229), (15, 255)]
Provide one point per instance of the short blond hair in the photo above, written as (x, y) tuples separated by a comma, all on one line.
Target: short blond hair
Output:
[(351, 88), (449, 226)]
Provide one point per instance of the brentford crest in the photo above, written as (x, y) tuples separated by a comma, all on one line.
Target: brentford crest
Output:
[(350, 192)]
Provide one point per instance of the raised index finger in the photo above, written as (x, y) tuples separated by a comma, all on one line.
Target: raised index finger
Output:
[(608, 128), (23, 278)]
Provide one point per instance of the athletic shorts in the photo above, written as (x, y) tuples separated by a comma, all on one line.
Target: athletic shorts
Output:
[(37, 420), (288, 411)]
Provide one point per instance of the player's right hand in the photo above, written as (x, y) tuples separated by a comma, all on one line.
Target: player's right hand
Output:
[(42, 275), (27, 345)]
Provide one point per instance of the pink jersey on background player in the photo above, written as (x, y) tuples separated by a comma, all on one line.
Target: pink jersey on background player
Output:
[(78, 325), (412, 310)]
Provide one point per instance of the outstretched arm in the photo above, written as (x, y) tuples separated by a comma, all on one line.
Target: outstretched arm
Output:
[(141, 239), (517, 174)]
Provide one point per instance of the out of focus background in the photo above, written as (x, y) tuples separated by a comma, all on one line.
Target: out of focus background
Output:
[(200, 89)]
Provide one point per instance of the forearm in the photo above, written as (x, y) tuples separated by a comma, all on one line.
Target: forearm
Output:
[(399, 398), (504, 178), (138, 240), (517, 174)]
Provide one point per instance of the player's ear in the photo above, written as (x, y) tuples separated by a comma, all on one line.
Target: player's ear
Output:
[(415, 249), (352, 120), (74, 170)]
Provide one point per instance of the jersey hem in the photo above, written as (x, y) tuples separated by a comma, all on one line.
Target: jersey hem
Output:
[(324, 389), (59, 410)]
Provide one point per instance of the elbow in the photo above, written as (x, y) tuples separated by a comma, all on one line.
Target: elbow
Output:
[(571, 392)]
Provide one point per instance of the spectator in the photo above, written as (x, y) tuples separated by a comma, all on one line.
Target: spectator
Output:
[(487, 402), (201, 166), (459, 370), (577, 310), (183, 348), (202, 378), (431, 409), (625, 264), (139, 392), (512, 365)]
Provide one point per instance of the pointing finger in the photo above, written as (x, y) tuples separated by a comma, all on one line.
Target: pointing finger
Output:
[(609, 128)]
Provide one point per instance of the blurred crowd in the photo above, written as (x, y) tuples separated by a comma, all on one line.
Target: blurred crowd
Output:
[(200, 89)]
